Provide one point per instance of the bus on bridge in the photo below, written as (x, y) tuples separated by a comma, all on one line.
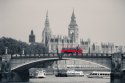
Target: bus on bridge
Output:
[(72, 50)]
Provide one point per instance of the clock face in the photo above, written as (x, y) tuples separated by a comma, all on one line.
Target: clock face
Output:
[(72, 31)]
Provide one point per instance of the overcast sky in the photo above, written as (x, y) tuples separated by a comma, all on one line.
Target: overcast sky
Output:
[(99, 20)]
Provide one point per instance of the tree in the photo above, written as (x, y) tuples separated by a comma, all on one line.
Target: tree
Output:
[(15, 47)]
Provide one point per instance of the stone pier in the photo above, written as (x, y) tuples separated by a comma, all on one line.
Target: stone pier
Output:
[(19, 76), (117, 75)]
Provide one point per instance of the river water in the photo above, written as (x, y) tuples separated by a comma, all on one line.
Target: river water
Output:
[(53, 79)]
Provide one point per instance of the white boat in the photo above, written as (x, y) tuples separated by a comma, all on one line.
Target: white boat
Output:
[(40, 74), (98, 74), (74, 73)]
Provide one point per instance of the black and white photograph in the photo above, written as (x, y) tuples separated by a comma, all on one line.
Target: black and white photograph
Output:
[(62, 41)]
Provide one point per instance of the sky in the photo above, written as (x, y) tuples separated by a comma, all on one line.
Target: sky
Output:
[(98, 20)]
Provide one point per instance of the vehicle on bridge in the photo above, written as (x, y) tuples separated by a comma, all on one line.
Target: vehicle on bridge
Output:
[(72, 50), (99, 74), (73, 73)]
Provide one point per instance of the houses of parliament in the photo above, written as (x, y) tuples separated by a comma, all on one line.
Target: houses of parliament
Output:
[(71, 40)]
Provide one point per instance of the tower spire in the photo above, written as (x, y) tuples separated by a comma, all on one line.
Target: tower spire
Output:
[(73, 15), (47, 20), (32, 32), (47, 13), (73, 19), (46, 34)]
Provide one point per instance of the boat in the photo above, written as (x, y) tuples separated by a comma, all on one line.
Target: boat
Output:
[(40, 74), (99, 74), (71, 73), (61, 73)]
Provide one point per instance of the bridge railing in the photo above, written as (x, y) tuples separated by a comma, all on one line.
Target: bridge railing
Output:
[(16, 56), (62, 55), (84, 55)]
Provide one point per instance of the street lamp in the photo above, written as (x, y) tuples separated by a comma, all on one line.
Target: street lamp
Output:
[(116, 48), (23, 51), (6, 50)]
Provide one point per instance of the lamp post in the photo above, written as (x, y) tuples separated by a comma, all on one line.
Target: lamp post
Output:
[(116, 48), (89, 50), (23, 51), (6, 50)]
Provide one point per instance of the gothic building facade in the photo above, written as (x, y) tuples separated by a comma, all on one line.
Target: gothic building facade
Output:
[(57, 42), (53, 42)]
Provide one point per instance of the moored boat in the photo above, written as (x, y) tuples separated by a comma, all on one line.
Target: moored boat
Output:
[(40, 74), (74, 73)]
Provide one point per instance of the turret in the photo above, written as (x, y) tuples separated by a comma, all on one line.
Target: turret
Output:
[(32, 37)]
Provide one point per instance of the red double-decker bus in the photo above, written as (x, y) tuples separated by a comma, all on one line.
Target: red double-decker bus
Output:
[(71, 50)]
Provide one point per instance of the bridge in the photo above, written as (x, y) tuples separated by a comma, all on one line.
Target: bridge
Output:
[(16, 66)]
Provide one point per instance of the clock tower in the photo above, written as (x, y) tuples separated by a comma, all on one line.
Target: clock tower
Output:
[(73, 29)]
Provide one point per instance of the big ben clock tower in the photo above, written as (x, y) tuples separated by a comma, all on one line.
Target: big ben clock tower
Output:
[(73, 29)]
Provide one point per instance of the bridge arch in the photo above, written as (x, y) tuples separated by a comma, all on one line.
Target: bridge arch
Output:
[(91, 62), (20, 67), (30, 64)]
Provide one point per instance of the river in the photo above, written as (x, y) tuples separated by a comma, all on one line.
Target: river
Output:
[(53, 79)]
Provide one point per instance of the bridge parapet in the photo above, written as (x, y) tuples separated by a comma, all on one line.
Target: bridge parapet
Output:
[(87, 55), (62, 55), (17, 56)]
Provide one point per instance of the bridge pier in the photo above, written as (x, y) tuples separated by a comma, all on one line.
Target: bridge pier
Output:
[(5, 72), (6, 75), (20, 76), (117, 75), (123, 77), (0, 68)]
